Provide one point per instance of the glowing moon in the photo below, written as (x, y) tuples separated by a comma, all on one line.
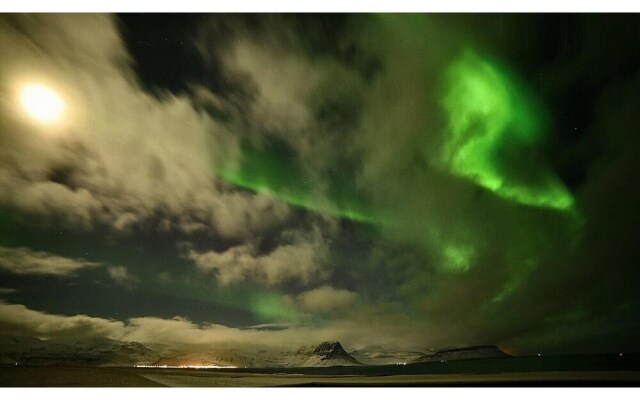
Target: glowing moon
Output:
[(42, 103)]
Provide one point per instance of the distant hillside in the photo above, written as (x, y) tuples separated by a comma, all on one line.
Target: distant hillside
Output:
[(23, 350), (380, 355), (464, 353)]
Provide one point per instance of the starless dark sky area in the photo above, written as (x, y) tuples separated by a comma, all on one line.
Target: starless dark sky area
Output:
[(412, 180)]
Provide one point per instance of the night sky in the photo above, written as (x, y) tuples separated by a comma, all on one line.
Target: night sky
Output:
[(414, 181)]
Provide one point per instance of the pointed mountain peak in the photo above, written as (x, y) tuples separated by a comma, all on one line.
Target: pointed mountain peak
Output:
[(329, 349), (330, 353)]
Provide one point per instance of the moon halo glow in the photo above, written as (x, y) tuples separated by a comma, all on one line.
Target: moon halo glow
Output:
[(42, 103)]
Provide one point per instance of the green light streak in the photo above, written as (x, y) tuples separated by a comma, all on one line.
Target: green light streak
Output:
[(570, 316), (457, 257), (516, 280), (274, 170), (270, 306), (265, 304), (494, 125), (455, 252)]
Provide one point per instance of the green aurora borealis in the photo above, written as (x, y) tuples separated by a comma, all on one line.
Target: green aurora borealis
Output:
[(408, 180), (496, 125), (493, 117), (276, 171), (493, 121)]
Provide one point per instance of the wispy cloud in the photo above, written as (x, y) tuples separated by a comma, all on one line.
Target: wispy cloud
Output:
[(326, 299), (25, 261), (122, 276), (18, 319), (302, 257)]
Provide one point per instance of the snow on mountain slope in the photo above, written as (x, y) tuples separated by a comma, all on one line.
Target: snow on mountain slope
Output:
[(328, 354), (464, 353)]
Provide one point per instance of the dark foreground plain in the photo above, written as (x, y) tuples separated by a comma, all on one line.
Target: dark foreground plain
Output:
[(575, 370)]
